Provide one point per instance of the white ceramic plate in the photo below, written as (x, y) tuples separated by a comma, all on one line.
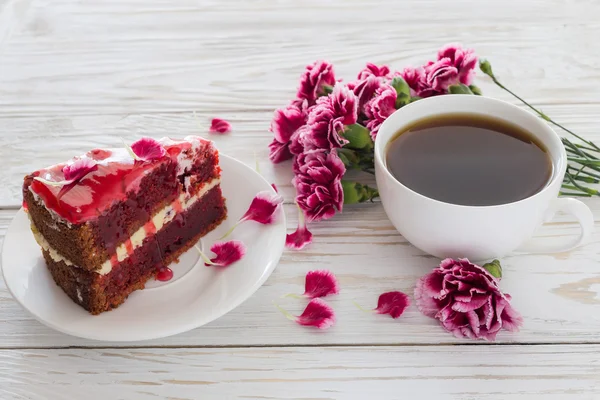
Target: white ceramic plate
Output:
[(195, 296)]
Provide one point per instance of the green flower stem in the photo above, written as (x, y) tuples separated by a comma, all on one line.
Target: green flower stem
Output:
[(361, 308), (284, 312), (486, 68)]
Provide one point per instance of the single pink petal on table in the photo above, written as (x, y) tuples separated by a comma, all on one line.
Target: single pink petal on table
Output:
[(320, 284), (147, 149), (301, 237), (317, 313), (226, 253), (218, 125), (392, 303), (274, 188)]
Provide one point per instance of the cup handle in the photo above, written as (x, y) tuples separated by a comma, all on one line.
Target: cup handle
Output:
[(580, 211)]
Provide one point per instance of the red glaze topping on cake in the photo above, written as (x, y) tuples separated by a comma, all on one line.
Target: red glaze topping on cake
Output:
[(116, 175)]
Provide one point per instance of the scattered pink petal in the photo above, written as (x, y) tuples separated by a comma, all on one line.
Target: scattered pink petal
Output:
[(393, 303), (147, 149), (301, 237), (218, 125), (317, 313), (274, 188), (320, 284), (262, 210), (263, 207), (226, 253), (79, 169)]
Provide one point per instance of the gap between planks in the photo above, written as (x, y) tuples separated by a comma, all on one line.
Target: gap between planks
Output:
[(315, 345)]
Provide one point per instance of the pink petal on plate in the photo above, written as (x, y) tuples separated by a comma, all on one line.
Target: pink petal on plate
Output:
[(393, 303), (147, 149), (80, 168), (263, 207), (274, 188), (227, 253), (218, 125), (320, 284), (301, 237)]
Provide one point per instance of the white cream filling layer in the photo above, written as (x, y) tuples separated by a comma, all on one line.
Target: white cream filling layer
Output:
[(159, 220)]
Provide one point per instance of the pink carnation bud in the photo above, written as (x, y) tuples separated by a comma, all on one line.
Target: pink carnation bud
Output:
[(320, 284), (80, 168), (226, 253), (392, 303), (317, 313), (218, 125), (301, 237), (467, 301), (147, 149)]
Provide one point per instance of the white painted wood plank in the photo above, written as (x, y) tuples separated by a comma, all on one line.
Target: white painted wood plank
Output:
[(448, 372), (111, 57), (558, 295)]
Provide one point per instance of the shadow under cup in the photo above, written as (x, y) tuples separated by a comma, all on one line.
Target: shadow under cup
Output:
[(475, 232)]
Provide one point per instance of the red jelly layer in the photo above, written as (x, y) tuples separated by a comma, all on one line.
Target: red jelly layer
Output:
[(118, 176)]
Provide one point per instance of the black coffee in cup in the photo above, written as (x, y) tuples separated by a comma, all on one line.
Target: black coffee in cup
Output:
[(469, 159)]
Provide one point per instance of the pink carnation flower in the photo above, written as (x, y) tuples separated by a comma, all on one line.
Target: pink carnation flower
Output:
[(313, 79), (380, 107), (415, 79), (365, 89), (374, 70), (318, 184), (439, 75), (286, 122), (326, 120), (464, 60), (467, 301)]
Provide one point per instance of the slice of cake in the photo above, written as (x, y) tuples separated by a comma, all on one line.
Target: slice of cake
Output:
[(113, 218)]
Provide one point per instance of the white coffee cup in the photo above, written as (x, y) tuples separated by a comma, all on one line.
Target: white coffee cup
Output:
[(476, 232)]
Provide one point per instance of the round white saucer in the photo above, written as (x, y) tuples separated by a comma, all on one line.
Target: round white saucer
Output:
[(195, 296)]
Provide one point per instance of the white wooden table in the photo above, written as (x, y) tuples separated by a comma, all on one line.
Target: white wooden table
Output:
[(77, 74)]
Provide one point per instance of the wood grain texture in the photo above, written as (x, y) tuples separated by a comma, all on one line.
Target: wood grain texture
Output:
[(81, 74), (559, 295), (446, 372)]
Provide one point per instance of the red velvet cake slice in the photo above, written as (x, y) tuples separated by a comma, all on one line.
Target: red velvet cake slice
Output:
[(111, 219)]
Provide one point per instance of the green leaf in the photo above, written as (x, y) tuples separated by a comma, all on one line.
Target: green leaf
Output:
[(351, 196), (475, 90), (415, 98), (358, 136), (459, 89), (348, 157), (355, 192), (402, 100), (401, 86), (494, 268), (327, 89)]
